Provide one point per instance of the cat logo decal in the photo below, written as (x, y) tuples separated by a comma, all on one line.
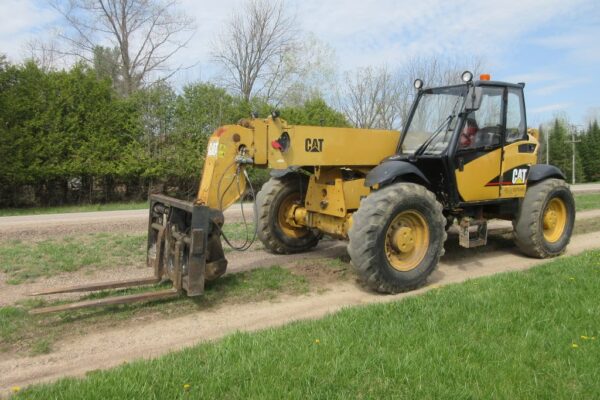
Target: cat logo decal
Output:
[(313, 145), (518, 176)]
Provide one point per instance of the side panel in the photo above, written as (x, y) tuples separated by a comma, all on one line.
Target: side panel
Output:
[(518, 158), (476, 180), (315, 146)]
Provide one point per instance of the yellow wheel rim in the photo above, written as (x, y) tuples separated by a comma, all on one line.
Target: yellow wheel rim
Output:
[(407, 240), (283, 214), (554, 220)]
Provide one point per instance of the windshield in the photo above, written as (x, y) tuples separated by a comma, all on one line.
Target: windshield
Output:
[(434, 120)]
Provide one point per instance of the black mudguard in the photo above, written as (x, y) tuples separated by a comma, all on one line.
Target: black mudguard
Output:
[(280, 173), (540, 172), (388, 171)]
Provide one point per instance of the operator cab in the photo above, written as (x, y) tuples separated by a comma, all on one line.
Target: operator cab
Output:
[(457, 135)]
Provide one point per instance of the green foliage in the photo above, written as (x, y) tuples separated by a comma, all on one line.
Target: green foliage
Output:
[(107, 66), (314, 112), (56, 126), (561, 150), (542, 145), (589, 148), (72, 137)]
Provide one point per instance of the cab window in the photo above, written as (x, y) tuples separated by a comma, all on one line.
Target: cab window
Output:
[(482, 128), (515, 116)]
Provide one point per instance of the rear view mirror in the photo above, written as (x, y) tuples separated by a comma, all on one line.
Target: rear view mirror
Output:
[(474, 97)]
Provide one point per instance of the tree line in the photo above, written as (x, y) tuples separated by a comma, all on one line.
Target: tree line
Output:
[(556, 148), (68, 136)]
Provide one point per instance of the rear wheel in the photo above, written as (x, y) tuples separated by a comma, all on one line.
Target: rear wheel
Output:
[(397, 237), (546, 217), (276, 201)]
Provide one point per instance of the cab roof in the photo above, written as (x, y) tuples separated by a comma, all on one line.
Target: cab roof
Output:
[(499, 83), (519, 85)]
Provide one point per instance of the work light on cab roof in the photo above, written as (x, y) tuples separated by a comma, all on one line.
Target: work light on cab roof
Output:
[(467, 76)]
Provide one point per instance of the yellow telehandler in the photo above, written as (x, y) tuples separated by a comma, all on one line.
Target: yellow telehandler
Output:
[(465, 154)]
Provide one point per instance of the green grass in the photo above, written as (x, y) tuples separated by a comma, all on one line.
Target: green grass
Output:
[(35, 334), (238, 232), (590, 201), (23, 261), (533, 334), (6, 212)]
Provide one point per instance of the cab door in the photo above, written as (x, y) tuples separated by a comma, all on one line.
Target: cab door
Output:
[(478, 160), (519, 153)]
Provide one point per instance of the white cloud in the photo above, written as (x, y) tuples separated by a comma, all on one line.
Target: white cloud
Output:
[(580, 44), (557, 86), (372, 32), (548, 108), (20, 20), (534, 77), (375, 32)]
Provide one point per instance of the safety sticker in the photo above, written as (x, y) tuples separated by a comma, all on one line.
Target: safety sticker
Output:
[(213, 149)]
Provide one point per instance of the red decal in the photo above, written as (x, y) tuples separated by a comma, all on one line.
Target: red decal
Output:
[(220, 131)]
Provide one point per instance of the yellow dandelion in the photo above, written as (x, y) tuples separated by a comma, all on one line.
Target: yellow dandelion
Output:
[(574, 345), (584, 337), (15, 389), (317, 341), (186, 386)]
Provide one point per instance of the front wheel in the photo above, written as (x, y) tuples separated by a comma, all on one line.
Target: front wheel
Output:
[(546, 218), (275, 202), (397, 237)]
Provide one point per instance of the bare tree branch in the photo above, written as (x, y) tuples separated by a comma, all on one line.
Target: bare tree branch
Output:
[(377, 98), (369, 97), (254, 49), (147, 33)]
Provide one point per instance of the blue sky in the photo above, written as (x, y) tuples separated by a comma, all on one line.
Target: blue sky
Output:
[(552, 45)]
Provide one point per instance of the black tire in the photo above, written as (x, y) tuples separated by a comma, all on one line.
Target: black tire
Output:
[(367, 247), (270, 231), (528, 226)]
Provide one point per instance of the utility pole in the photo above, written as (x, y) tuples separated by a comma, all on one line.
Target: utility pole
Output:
[(548, 147), (573, 141)]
